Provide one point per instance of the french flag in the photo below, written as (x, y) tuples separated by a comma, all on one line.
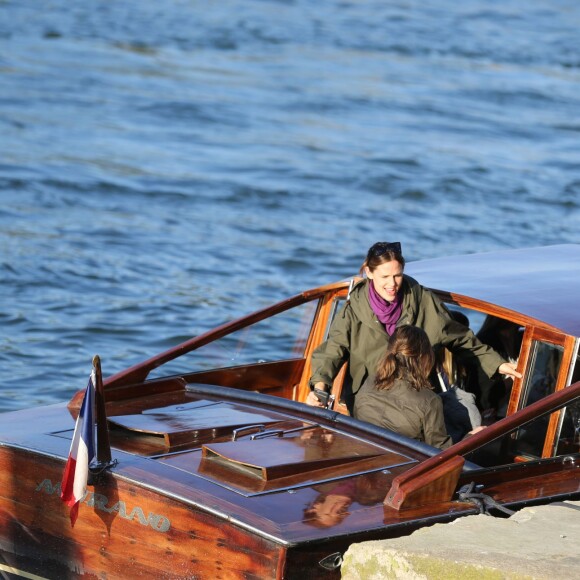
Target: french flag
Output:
[(82, 451)]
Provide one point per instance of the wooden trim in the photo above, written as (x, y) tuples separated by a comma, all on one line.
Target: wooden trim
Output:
[(523, 363), (275, 378), (144, 390), (317, 337), (563, 376), (531, 335), (426, 486), (302, 388), (282, 555), (550, 335), (494, 310)]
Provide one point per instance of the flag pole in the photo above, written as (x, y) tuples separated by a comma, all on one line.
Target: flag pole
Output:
[(103, 444)]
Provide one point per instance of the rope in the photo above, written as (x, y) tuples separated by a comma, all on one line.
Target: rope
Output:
[(485, 503)]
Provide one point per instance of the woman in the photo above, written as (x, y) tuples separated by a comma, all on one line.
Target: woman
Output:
[(400, 396), (385, 299)]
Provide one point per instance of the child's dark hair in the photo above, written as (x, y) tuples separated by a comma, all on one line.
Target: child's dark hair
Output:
[(409, 356)]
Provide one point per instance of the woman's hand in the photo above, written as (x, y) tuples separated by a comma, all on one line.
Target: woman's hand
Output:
[(510, 370), (312, 399), (476, 430)]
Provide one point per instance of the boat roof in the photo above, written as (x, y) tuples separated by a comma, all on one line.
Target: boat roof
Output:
[(541, 282)]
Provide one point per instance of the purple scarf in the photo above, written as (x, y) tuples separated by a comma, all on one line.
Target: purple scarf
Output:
[(387, 312)]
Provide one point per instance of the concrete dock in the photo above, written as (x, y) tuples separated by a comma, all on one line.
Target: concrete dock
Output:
[(536, 543)]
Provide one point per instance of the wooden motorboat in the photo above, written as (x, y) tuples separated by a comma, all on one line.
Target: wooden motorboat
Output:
[(210, 466)]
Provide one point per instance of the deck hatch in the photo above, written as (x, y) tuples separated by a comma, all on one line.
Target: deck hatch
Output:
[(295, 460), (280, 457), (193, 422)]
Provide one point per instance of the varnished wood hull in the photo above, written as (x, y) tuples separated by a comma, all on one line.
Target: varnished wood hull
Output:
[(124, 531), (128, 531)]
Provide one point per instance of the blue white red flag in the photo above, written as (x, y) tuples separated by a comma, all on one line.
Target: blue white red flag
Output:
[(82, 451)]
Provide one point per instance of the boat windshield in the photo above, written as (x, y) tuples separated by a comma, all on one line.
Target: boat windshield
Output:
[(279, 337)]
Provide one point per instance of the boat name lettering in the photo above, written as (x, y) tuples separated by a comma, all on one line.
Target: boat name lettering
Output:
[(101, 502)]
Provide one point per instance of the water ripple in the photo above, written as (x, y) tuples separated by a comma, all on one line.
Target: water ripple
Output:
[(165, 168)]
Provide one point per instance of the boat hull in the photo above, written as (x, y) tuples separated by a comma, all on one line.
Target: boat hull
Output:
[(123, 530)]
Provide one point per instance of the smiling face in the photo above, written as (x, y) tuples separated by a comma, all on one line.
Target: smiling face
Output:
[(387, 279)]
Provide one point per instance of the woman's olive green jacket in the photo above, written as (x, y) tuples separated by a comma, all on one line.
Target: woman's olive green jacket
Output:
[(357, 336)]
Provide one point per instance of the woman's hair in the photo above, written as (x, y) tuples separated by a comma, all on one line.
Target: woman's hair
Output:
[(380, 253), (409, 356)]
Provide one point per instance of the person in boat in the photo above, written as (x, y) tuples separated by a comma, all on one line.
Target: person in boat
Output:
[(383, 300), (457, 386), (504, 337), (400, 396)]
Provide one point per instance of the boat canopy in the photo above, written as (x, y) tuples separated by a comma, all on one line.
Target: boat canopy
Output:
[(541, 283)]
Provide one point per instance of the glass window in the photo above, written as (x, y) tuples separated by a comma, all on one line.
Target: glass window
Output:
[(336, 306), (569, 439), (569, 431), (542, 374), (544, 366), (279, 337), (514, 447)]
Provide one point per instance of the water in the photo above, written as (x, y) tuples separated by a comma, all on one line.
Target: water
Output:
[(165, 167)]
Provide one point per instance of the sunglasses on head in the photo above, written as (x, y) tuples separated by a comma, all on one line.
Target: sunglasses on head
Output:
[(381, 248)]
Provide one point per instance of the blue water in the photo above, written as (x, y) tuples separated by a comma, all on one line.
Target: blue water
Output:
[(168, 166)]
